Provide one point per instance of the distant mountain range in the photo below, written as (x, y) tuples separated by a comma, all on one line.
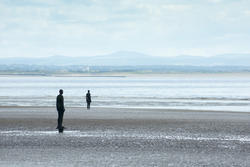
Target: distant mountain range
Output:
[(125, 58)]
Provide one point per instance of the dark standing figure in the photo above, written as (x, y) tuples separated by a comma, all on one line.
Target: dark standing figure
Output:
[(60, 109), (88, 99)]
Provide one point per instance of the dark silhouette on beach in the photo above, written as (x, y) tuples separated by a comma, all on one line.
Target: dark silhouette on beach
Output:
[(88, 99), (60, 109)]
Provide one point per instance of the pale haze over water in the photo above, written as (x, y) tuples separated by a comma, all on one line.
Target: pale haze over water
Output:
[(226, 93)]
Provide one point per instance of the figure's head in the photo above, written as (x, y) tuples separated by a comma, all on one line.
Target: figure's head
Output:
[(88, 91), (61, 91)]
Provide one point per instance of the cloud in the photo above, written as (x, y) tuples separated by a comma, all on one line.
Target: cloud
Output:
[(89, 27), (247, 12)]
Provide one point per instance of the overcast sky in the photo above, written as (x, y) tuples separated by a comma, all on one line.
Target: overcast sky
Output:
[(42, 28)]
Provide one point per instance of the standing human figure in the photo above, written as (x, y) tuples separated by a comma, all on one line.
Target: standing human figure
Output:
[(60, 109), (88, 99)]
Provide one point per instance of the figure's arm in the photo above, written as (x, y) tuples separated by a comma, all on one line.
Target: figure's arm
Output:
[(57, 105), (63, 104)]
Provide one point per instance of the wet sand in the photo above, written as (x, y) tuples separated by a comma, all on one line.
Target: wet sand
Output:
[(123, 137)]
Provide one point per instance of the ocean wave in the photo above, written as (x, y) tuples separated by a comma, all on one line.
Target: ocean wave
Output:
[(154, 98)]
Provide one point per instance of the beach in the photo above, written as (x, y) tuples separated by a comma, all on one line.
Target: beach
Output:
[(123, 137)]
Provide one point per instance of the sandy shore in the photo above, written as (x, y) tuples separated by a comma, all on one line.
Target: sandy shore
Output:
[(123, 137)]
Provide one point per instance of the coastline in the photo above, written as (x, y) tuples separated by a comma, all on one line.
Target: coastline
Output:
[(127, 74)]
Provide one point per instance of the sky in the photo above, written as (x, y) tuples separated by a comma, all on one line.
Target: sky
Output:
[(42, 28)]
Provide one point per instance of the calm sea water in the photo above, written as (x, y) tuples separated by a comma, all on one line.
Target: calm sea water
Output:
[(227, 93)]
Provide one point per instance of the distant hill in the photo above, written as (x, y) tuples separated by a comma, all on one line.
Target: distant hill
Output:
[(125, 58)]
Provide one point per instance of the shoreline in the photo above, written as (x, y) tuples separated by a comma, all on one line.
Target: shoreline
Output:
[(123, 75)]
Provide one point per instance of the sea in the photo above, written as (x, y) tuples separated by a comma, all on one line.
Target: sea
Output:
[(191, 92)]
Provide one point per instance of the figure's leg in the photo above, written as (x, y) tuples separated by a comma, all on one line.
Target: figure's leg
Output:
[(88, 105), (60, 120)]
